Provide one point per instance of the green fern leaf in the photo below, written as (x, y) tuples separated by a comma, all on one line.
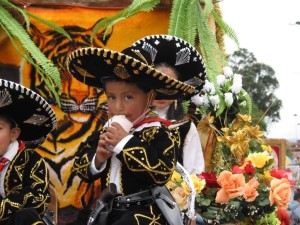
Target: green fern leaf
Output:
[(178, 17), (14, 29), (226, 28), (53, 26), (209, 6), (25, 16), (248, 100), (190, 25), (135, 7), (27, 57)]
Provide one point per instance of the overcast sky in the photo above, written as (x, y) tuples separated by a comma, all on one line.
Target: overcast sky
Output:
[(266, 28)]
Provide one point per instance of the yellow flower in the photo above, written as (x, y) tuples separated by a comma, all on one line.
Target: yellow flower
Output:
[(207, 124), (246, 118), (267, 148), (171, 185), (175, 177), (224, 139), (259, 159), (199, 184), (239, 143), (185, 188), (266, 176), (254, 132)]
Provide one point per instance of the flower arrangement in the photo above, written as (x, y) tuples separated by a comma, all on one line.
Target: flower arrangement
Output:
[(180, 190), (223, 98), (243, 186)]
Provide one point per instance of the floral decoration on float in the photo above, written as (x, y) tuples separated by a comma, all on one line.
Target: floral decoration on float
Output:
[(243, 186)]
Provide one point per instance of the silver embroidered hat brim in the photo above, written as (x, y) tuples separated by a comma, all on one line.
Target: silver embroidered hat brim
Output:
[(178, 53), (90, 65), (29, 110)]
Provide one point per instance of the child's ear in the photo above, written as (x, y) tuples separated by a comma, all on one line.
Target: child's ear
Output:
[(152, 95), (15, 133)]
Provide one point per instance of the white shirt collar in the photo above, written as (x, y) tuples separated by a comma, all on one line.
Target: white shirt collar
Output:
[(162, 113), (12, 150)]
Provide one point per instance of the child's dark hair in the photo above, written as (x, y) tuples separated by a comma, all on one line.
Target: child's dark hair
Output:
[(8, 119), (112, 78), (176, 110)]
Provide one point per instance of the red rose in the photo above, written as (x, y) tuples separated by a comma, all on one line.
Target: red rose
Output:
[(279, 174), (237, 170), (210, 179), (249, 168)]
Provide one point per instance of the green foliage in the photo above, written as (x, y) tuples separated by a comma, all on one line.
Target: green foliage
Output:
[(135, 7), (189, 21), (268, 219), (289, 153), (259, 81), (24, 45)]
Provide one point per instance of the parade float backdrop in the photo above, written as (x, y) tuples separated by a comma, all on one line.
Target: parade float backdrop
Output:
[(81, 110)]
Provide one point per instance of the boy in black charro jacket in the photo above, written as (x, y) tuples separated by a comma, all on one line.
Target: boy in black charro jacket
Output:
[(140, 155), (25, 120)]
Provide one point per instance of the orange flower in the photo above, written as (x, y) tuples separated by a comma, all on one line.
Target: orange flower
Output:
[(250, 191), (280, 192), (232, 186)]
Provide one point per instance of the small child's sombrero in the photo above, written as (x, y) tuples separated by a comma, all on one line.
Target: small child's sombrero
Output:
[(90, 65), (32, 114), (178, 53)]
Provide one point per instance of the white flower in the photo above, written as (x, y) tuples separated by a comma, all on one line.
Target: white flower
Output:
[(237, 78), (227, 72), (209, 87), (236, 88), (221, 80), (228, 99), (205, 100), (197, 100), (214, 100), (237, 84)]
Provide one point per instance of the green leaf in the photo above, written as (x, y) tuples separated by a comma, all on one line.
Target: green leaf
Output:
[(135, 7), (49, 73)]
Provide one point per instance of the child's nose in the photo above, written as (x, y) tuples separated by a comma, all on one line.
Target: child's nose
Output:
[(119, 106)]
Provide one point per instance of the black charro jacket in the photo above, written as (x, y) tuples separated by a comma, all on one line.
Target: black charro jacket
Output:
[(26, 185), (147, 159)]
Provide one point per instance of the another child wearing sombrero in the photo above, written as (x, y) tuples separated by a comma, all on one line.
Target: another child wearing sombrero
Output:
[(138, 152), (180, 60), (25, 122)]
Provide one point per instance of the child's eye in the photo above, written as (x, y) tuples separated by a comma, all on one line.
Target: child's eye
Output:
[(128, 97), (111, 98)]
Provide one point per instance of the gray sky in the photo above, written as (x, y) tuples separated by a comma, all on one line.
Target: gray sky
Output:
[(264, 28)]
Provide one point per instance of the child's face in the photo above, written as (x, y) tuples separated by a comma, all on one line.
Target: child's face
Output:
[(125, 99), (161, 104), (7, 135)]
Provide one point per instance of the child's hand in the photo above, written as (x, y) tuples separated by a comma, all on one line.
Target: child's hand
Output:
[(114, 134), (102, 154)]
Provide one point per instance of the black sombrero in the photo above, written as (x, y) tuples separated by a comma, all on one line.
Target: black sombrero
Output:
[(32, 114), (90, 65), (178, 53)]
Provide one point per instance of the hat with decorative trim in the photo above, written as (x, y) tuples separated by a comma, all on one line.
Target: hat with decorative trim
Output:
[(31, 112), (177, 53), (90, 65)]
